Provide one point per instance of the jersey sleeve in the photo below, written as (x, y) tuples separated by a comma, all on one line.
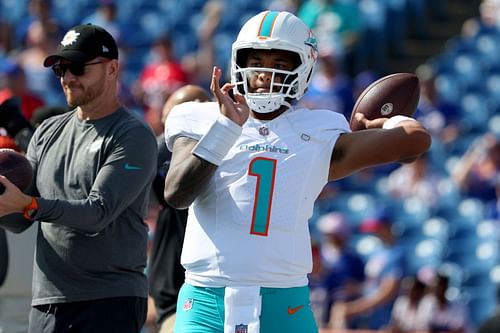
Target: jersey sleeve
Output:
[(191, 119)]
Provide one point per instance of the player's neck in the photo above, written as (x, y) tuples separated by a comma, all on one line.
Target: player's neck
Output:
[(270, 115)]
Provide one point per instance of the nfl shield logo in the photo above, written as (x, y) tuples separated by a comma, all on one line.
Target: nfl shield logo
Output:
[(188, 304), (241, 329)]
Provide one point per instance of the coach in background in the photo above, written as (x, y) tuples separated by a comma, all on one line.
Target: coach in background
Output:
[(93, 168)]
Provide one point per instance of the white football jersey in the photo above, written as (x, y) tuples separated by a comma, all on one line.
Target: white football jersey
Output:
[(249, 225)]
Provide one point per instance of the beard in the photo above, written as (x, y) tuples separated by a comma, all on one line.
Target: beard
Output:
[(78, 95)]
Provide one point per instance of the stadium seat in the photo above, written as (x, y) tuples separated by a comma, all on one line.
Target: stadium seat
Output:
[(436, 228), (365, 245), (423, 253), (470, 210), (472, 256), (448, 86), (480, 307), (412, 211), (356, 206), (494, 125), (468, 68), (476, 110), (488, 230), (488, 48), (12, 10)]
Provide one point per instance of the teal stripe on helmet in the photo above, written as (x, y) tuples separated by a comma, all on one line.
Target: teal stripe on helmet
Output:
[(266, 28)]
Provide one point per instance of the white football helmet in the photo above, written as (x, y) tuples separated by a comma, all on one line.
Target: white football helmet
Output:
[(279, 31)]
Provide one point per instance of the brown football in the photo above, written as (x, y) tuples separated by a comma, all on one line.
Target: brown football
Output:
[(394, 94), (16, 167)]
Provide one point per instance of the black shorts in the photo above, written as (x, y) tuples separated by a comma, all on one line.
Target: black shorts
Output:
[(107, 315)]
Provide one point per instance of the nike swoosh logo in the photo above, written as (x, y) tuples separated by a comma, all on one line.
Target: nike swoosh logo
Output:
[(132, 167), (294, 310)]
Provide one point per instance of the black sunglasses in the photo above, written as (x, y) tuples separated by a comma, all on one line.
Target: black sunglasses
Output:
[(75, 68)]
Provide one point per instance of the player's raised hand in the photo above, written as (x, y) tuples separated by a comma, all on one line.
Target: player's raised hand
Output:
[(235, 109)]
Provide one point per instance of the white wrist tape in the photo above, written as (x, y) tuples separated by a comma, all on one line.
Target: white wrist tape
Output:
[(393, 121), (215, 144)]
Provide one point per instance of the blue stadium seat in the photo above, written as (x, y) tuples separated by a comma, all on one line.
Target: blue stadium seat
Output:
[(475, 110), (494, 124), (469, 68), (356, 206), (488, 230), (411, 211), (423, 253), (365, 245), (470, 210), (492, 88), (12, 10), (436, 228), (449, 193), (488, 47), (448, 86), (480, 307), (472, 256)]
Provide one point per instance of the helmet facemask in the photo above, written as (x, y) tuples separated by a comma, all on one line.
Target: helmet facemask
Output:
[(282, 89), (274, 31)]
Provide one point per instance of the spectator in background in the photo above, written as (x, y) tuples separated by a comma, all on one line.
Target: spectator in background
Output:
[(441, 117), (330, 87), (477, 172), (105, 16), (166, 274), (371, 49), (41, 81), (291, 6), (488, 19), (15, 85), (14, 124), (161, 76), (445, 316), (363, 80), (6, 40), (39, 11), (415, 180), (384, 271), (336, 25), (198, 65), (318, 294), (344, 269), (408, 315)]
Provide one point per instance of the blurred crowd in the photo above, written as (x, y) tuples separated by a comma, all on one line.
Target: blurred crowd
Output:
[(417, 241)]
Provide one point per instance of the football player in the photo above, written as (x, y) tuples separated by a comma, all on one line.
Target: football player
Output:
[(249, 167)]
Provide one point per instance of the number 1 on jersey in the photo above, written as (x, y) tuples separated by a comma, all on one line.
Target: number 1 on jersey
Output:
[(264, 169)]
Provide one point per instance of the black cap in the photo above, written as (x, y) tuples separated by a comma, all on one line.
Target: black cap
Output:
[(83, 43)]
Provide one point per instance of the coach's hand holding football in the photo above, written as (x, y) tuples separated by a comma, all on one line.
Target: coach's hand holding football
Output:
[(12, 200)]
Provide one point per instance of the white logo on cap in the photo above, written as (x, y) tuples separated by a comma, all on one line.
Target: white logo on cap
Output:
[(104, 49), (70, 38)]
